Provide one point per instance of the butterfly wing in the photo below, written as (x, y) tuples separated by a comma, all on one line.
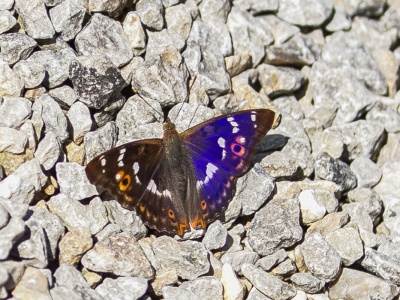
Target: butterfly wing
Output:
[(134, 174), (221, 150)]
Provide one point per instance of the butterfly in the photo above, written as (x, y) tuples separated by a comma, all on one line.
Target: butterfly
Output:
[(185, 179)]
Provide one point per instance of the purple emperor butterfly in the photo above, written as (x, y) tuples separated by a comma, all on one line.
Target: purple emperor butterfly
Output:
[(185, 179)]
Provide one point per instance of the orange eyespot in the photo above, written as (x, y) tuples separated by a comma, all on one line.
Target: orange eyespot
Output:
[(239, 150), (124, 183), (171, 214), (203, 205)]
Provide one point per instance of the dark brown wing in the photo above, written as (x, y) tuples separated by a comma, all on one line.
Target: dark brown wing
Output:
[(134, 174)]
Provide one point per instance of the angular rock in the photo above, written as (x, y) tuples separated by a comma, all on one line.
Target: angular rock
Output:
[(31, 171), (320, 257), (386, 115), (213, 11), (205, 287), (72, 285), (80, 120), (67, 19), (381, 265), (175, 293), (7, 20), (268, 262), (12, 140), (135, 33), (19, 191), (53, 117), (188, 258), (16, 46), (34, 17), (256, 185), (344, 49), (33, 285), (289, 105), (122, 288), (239, 258), (347, 243), (367, 172), (292, 52), (151, 13), (64, 95), (52, 226), (9, 235), (164, 277), (56, 63), (74, 244), (307, 283), (119, 255), (340, 20), (268, 284), (277, 81), (73, 181), (31, 73), (311, 13), (75, 215), (48, 151), (10, 83), (14, 111), (311, 210), (337, 86), (178, 18), (275, 226), (100, 140), (95, 79), (163, 77), (136, 112), (240, 23), (215, 236), (233, 289), (358, 285), (127, 220), (370, 200), (335, 170), (103, 36)]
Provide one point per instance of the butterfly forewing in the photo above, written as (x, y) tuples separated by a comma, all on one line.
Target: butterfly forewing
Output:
[(221, 150), (134, 174)]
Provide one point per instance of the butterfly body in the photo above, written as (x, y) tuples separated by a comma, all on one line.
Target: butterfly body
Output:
[(186, 179)]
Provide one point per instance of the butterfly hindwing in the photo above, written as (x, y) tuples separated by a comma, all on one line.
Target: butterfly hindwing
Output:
[(221, 150), (134, 174)]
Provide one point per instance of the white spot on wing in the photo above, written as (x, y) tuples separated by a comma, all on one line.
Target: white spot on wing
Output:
[(121, 164), (136, 167), (123, 150), (104, 171), (150, 185), (210, 170), (242, 140), (118, 176), (255, 126), (223, 154), (121, 157), (137, 180), (199, 184), (103, 162), (167, 193), (253, 118), (230, 119), (234, 124), (221, 142), (235, 129)]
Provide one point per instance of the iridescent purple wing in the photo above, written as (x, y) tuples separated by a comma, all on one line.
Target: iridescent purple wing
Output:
[(221, 150)]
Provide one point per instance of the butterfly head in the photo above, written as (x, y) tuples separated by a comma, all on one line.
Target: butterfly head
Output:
[(168, 125)]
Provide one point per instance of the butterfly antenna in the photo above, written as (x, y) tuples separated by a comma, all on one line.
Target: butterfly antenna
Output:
[(187, 97), (140, 96), (198, 105)]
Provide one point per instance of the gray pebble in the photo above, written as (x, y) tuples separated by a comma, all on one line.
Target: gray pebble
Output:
[(268, 284), (151, 13), (119, 255), (14, 111), (80, 120), (135, 33), (16, 46), (129, 288), (320, 257), (7, 20), (48, 151), (105, 37), (95, 79), (205, 287), (307, 283), (12, 140), (10, 83), (188, 258), (238, 259), (9, 235), (100, 140), (67, 18), (32, 73), (215, 236), (275, 226)]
